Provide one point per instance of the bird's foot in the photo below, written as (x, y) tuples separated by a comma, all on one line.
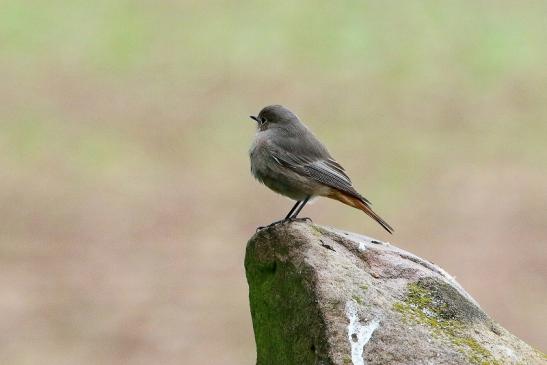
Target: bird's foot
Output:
[(286, 220), (304, 219), (272, 224)]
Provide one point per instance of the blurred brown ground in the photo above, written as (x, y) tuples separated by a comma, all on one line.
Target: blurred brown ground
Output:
[(125, 194)]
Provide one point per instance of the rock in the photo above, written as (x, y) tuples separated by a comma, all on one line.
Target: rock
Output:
[(322, 296)]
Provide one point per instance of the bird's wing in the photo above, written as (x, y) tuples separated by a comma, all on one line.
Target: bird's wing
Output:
[(324, 170)]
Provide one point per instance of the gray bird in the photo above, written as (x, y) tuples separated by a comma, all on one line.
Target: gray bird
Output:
[(290, 160)]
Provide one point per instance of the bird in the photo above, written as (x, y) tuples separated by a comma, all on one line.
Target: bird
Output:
[(287, 158)]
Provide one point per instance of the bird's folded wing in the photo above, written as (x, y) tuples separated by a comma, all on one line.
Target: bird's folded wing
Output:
[(324, 170)]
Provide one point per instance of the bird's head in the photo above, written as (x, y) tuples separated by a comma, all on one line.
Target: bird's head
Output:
[(275, 116)]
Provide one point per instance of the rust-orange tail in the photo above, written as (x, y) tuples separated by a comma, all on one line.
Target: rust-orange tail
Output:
[(360, 204)]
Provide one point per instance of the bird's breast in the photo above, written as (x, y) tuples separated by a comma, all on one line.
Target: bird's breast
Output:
[(260, 156), (267, 169)]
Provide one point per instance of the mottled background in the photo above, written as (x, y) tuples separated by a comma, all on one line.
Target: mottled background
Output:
[(125, 194)]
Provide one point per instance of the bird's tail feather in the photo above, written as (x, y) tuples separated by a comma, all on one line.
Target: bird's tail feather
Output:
[(360, 204)]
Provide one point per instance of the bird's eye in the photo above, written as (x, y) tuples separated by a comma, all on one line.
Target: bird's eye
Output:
[(263, 120)]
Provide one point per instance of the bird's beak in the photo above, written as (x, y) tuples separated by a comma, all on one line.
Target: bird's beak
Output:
[(254, 118)]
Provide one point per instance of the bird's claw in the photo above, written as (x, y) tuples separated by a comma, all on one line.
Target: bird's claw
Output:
[(272, 224), (304, 219), (286, 220)]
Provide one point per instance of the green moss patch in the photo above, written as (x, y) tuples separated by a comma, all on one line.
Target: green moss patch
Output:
[(359, 300), (427, 306), (317, 231)]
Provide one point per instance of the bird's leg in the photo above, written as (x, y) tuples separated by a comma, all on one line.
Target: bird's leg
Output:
[(293, 209), (292, 216), (295, 214), (288, 217)]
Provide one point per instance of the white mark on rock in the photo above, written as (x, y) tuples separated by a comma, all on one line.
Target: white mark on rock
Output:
[(358, 334), (509, 353), (362, 246)]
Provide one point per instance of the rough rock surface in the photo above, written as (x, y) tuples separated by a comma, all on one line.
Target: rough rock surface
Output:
[(323, 296)]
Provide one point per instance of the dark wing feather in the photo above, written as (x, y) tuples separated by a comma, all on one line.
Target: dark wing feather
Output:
[(324, 170), (300, 151), (335, 165)]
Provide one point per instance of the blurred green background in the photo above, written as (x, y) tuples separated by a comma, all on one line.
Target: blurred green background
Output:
[(125, 193)]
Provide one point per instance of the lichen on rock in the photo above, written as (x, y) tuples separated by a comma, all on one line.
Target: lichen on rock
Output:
[(427, 304)]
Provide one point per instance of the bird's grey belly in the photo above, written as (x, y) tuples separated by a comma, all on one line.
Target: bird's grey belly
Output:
[(281, 179)]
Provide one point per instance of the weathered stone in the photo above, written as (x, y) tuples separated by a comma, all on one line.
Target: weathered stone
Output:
[(323, 296)]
